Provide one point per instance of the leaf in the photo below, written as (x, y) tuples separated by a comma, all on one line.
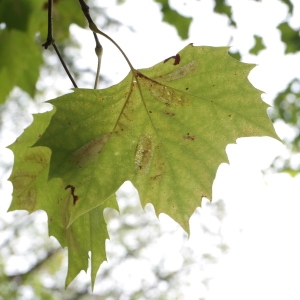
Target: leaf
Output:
[(172, 17), (290, 37), (20, 54), (33, 191), (290, 5), (236, 55), (165, 129), (222, 8), (287, 109), (16, 14), (258, 46), (20, 59), (166, 134)]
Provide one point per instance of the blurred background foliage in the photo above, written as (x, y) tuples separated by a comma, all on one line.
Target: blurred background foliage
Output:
[(32, 266)]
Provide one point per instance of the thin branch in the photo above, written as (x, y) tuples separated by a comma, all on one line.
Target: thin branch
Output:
[(50, 41), (64, 65)]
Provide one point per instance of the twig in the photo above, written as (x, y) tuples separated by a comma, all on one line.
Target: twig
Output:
[(64, 65), (50, 41)]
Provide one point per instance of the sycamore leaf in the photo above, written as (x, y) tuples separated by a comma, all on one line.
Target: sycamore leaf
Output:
[(165, 130), (33, 191)]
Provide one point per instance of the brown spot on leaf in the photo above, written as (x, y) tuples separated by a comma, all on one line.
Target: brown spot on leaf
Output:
[(176, 59), (189, 137), (155, 177), (168, 113), (72, 188)]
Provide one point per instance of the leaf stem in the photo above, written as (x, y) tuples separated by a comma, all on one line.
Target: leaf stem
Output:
[(50, 41), (98, 51), (86, 11)]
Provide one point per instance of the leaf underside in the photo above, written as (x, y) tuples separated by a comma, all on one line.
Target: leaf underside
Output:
[(165, 130)]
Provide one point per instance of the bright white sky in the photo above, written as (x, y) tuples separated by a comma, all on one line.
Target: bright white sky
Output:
[(262, 223)]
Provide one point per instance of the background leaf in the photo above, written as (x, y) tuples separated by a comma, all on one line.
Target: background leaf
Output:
[(20, 56), (222, 8), (172, 17), (258, 46), (22, 37), (290, 37)]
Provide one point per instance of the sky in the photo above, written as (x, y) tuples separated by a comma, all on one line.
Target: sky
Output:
[(261, 225)]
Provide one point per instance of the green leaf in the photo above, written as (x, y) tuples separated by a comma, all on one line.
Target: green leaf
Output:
[(20, 59), (236, 55), (172, 17), (258, 46), (222, 8), (33, 191), (290, 5), (20, 55), (166, 134), (290, 37), (165, 129), (16, 14), (287, 109)]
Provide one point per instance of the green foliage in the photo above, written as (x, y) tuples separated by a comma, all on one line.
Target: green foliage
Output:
[(21, 55), (17, 14), (171, 16), (236, 55), (287, 108), (258, 46), (20, 52), (164, 128), (222, 8), (290, 5), (290, 37)]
